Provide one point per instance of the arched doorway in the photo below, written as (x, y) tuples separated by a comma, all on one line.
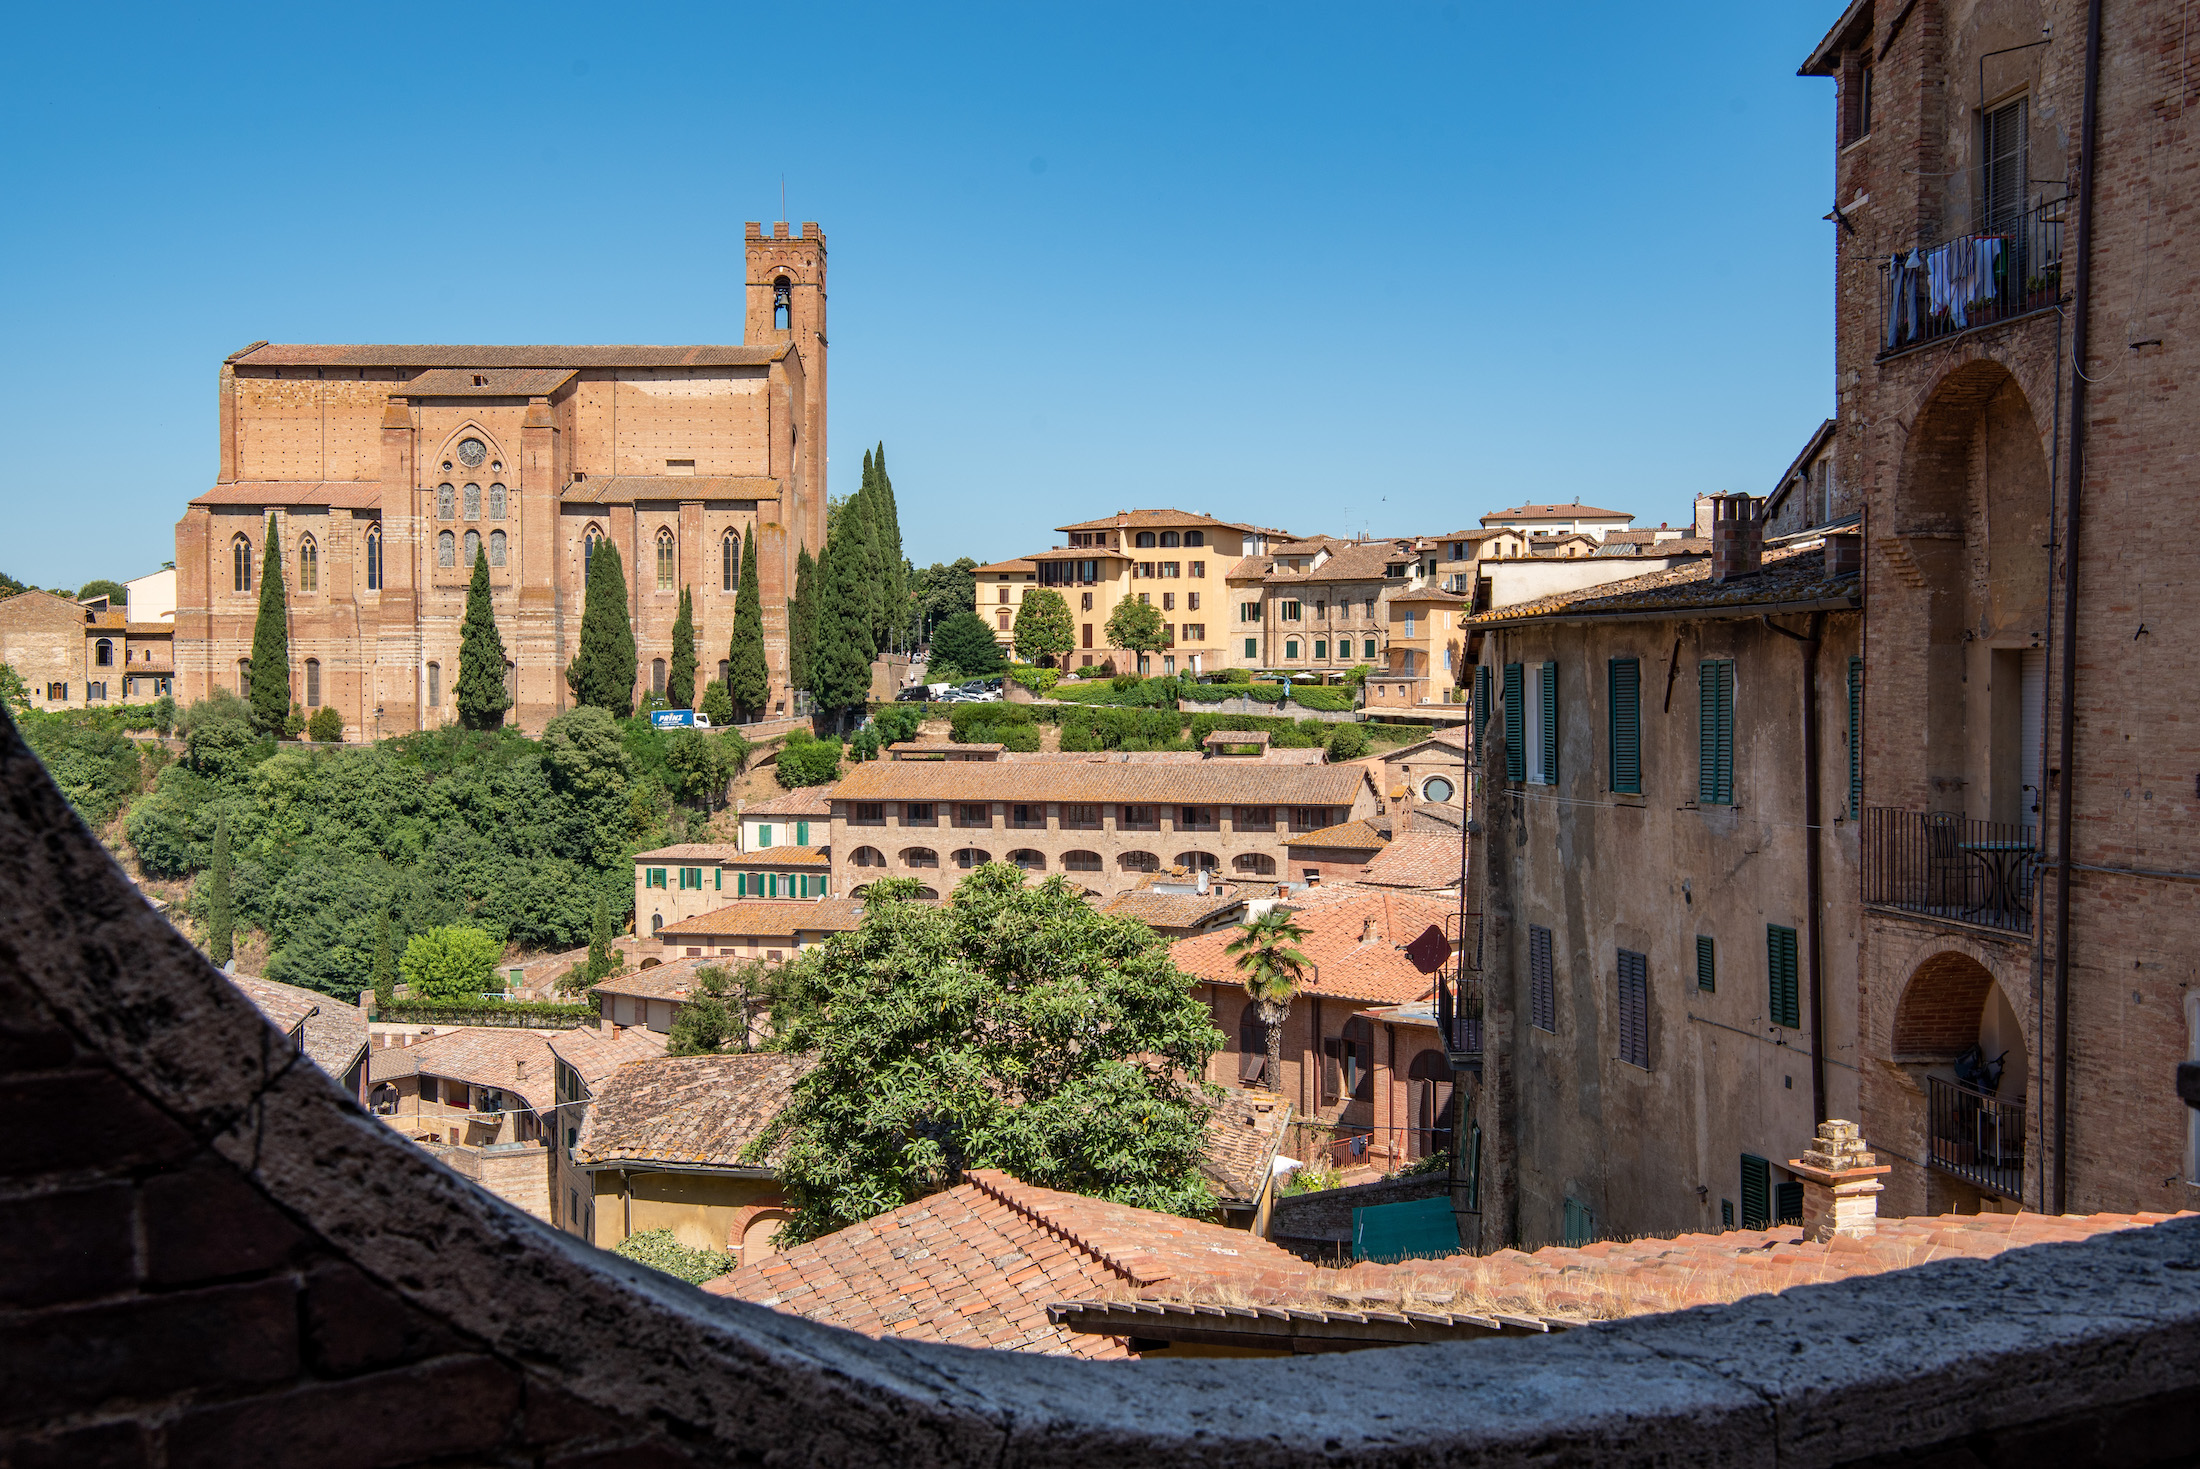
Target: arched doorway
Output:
[(1957, 1031), (1428, 1098)]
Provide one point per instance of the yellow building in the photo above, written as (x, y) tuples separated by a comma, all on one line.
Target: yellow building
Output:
[(1000, 595), (1424, 650)]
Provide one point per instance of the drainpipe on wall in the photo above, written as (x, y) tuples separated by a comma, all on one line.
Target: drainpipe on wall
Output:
[(1813, 883), (2073, 493)]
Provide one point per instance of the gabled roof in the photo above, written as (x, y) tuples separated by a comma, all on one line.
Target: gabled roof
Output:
[(1241, 1139), (1430, 593), (1350, 961), (323, 354), (673, 979), (595, 1054), (687, 1111), (1575, 511), (1346, 834), (1790, 579), (285, 1006), (754, 918), (337, 494), (335, 1033), (496, 382), (1812, 448), (1013, 564), (1452, 737), (1169, 910), (1154, 520), (725, 854), (1854, 28), (801, 801), (518, 1061), (979, 1264), (1348, 561), (1422, 860)]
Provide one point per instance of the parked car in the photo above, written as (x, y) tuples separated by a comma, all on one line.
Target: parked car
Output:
[(916, 695)]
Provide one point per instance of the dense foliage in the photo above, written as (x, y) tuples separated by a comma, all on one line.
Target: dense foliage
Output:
[(482, 699), (602, 671), (660, 1249), (748, 679), (1043, 627), (1012, 1027), (271, 644), (680, 677), (450, 962), (726, 1009), (1135, 627), (98, 768), (805, 760), (965, 646)]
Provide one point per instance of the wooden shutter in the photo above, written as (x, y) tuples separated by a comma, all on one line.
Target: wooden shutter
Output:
[(1756, 1192), (1715, 732), (1624, 698), (1787, 1203), (1332, 1062), (1481, 708), (1634, 1009), (1516, 747), (1856, 739), (1547, 699), (1780, 969), (1707, 964), (1542, 985)]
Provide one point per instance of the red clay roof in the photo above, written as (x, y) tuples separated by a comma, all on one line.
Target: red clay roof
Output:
[(979, 1264), (687, 1111), (517, 1061), (595, 1054), (1154, 519), (801, 801), (337, 494), (1210, 782), (1576, 511), (1353, 834), (1351, 963), (321, 354), (724, 854), (1415, 859), (1788, 577), (767, 919)]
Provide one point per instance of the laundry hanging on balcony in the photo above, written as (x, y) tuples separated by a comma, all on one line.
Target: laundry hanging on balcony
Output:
[(1903, 274), (1959, 273)]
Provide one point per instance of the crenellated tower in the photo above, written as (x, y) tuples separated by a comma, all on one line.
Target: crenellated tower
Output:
[(786, 303)]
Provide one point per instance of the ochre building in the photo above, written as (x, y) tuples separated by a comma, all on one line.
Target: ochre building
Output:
[(385, 467)]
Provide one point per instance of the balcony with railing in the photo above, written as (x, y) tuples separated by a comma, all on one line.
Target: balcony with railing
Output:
[(1943, 865), (1459, 990), (1976, 1138), (2009, 269)]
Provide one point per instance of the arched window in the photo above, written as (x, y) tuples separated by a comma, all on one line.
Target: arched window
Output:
[(1139, 862), (473, 546), (1254, 864), (103, 653), (867, 857), (435, 686), (309, 564), (656, 922), (1145, 540), (1168, 538), (970, 857), (1081, 862), (729, 553), (496, 502), (313, 683), (1029, 860), (589, 538), (1437, 789), (446, 502), (782, 304), (473, 502), (919, 857), (496, 548), (725, 670), (1197, 861), (1428, 1086), (374, 558), (240, 563), (1195, 538), (446, 549), (244, 678), (1356, 1058), (667, 562), (1002, 618), (656, 675)]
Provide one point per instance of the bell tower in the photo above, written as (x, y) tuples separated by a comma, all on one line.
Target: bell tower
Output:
[(786, 303)]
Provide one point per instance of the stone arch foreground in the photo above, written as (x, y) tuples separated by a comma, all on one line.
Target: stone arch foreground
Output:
[(1938, 1012), (311, 1289)]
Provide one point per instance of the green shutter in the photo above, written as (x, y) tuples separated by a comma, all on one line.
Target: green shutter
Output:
[(718, 882), (1547, 692), (1715, 732), (1252, 650), (1780, 970), (1707, 964), (1481, 712), (763, 837), (1624, 679), (1856, 739), (1516, 723), (802, 833), (1756, 1192), (1581, 1225)]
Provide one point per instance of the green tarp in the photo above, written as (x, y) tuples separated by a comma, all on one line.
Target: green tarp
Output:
[(1422, 1229)]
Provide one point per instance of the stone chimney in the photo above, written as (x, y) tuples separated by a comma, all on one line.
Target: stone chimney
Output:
[(1368, 931), (1844, 554), (1702, 531), (1737, 537), (1840, 1184)]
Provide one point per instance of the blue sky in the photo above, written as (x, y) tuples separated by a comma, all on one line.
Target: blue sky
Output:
[(1337, 268)]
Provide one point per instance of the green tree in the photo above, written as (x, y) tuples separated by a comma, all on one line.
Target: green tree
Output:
[(715, 705), (660, 1249), (450, 962), (748, 677), (940, 591), (1135, 626), (801, 618), (967, 645), (1013, 1027), (326, 727), (602, 672), (700, 765), (806, 761), (603, 960), (1043, 627), (680, 678), (13, 694), (721, 1011), (482, 699), (164, 712), (385, 960), (115, 592), (1347, 742), (220, 916), (1271, 966), (888, 564), (841, 649), (271, 643)]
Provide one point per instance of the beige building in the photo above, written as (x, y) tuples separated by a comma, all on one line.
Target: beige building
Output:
[(673, 884), (665, 1144), (1428, 773), (1546, 520), (796, 818), (1000, 592), (79, 655), (754, 930), (1105, 823), (1320, 605), (1424, 654)]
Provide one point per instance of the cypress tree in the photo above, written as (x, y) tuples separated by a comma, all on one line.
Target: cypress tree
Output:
[(801, 620), (600, 959), (271, 643), (220, 919), (602, 672), (842, 650), (748, 679), (385, 960), (680, 678), (481, 696), (893, 569)]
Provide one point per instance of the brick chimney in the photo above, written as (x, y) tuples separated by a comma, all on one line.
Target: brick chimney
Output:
[(1701, 527), (1840, 1184), (1844, 554), (1737, 537)]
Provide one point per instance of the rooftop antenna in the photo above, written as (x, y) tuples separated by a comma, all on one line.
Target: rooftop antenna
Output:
[(782, 198)]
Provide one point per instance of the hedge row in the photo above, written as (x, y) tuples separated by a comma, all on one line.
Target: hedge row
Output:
[(520, 1014)]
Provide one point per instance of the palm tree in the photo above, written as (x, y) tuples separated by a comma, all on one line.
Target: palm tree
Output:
[(1265, 954)]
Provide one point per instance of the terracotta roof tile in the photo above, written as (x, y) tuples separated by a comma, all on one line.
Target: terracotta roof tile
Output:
[(1790, 576), (518, 1061), (1415, 859), (766, 919), (336, 494), (1349, 834), (1351, 961), (1241, 1137), (595, 1054), (284, 354), (1576, 511), (625, 489), (696, 1111), (725, 854), (1169, 910), (1235, 782), (336, 1033), (801, 801), (1154, 519), (285, 1006)]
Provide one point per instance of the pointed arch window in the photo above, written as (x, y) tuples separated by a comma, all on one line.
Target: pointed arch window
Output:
[(589, 538), (313, 683), (446, 549), (496, 502), (496, 548), (374, 558), (667, 560), (473, 502), (240, 563), (782, 304), (244, 678), (729, 553), (446, 502), (473, 546), (309, 564), (435, 686)]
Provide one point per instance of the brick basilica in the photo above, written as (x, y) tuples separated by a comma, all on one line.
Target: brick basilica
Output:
[(385, 467)]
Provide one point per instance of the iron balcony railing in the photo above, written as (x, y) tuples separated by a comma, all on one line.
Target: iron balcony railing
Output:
[(1459, 988), (1975, 1137), (2011, 267), (1947, 866)]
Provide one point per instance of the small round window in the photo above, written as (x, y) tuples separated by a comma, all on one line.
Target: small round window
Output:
[(1437, 789), (471, 452)]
